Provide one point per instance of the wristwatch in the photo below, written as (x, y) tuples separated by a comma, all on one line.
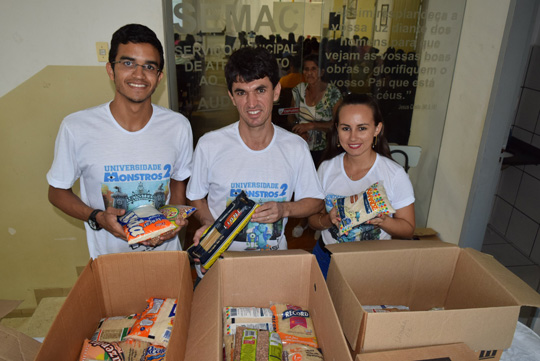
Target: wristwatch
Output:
[(92, 222)]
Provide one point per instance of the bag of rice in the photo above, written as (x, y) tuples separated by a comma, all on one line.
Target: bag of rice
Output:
[(129, 350), (112, 329), (357, 209), (293, 324), (156, 322)]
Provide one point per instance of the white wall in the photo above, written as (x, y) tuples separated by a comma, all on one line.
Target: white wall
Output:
[(478, 54), (35, 34)]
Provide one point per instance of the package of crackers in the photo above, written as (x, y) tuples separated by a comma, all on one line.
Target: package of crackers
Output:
[(218, 237)]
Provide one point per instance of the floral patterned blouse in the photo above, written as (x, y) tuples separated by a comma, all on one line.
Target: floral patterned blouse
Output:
[(322, 111)]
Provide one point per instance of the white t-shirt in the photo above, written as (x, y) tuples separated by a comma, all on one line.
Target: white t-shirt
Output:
[(121, 168), (336, 183), (223, 165)]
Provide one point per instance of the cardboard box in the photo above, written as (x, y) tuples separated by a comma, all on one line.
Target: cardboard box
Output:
[(481, 298), (118, 285), (15, 345), (453, 352), (256, 279)]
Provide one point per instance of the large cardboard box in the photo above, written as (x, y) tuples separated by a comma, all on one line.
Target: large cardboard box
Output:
[(480, 297), (256, 279), (118, 285)]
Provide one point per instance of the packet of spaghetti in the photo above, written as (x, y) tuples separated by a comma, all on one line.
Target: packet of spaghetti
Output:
[(357, 209), (171, 212), (218, 237), (156, 322), (144, 223)]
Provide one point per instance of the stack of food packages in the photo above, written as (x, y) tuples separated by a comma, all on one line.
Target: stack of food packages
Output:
[(282, 332), (136, 337)]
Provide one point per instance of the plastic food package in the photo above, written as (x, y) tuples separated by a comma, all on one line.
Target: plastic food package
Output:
[(144, 223), (129, 350), (257, 345), (357, 209), (112, 329), (171, 212), (218, 237), (251, 317), (296, 352), (294, 325), (156, 322)]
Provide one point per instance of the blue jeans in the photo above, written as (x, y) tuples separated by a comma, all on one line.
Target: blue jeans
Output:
[(323, 257)]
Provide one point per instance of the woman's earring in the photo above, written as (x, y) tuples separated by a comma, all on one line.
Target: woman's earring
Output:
[(338, 145), (374, 142)]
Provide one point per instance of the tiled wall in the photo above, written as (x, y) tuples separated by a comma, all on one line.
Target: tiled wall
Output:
[(513, 233)]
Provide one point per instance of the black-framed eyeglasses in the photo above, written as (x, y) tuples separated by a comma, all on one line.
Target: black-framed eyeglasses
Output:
[(131, 65)]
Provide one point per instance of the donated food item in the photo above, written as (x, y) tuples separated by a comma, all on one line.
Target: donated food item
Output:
[(171, 212), (216, 239), (384, 308), (296, 352), (357, 209), (256, 345), (154, 353), (293, 324), (113, 328), (144, 223), (251, 317), (129, 350), (156, 322), (275, 348)]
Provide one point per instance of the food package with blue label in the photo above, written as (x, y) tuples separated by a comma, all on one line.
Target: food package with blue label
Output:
[(359, 208), (145, 223)]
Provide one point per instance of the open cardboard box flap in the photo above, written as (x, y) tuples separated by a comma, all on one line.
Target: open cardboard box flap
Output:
[(15, 345), (522, 293)]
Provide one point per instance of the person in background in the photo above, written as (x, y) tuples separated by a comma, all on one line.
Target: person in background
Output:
[(358, 156), (254, 155), (125, 152), (317, 101), (293, 76)]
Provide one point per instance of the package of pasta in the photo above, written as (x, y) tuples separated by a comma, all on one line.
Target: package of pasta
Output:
[(218, 237), (297, 352), (155, 323), (172, 212), (293, 325), (144, 223), (113, 328), (357, 209), (128, 350)]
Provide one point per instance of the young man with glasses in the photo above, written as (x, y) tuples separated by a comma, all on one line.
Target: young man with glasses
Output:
[(126, 153)]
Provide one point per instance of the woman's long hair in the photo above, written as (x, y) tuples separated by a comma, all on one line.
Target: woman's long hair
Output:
[(381, 146)]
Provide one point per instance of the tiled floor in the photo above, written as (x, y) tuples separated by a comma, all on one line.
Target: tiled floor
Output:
[(512, 257)]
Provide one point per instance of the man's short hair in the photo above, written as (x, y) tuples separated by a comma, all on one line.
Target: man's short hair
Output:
[(248, 64), (135, 33)]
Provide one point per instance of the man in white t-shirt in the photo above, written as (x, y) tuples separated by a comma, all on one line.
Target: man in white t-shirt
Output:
[(270, 164), (126, 153)]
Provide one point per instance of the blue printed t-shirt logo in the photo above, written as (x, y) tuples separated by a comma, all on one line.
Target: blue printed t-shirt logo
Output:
[(130, 186)]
